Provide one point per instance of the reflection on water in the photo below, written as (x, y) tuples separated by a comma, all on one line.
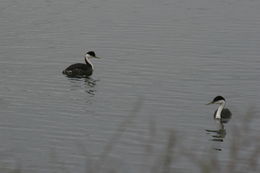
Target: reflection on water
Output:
[(220, 134), (87, 84), (90, 86)]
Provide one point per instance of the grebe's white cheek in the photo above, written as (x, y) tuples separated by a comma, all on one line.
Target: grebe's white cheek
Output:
[(88, 56), (219, 102), (222, 101)]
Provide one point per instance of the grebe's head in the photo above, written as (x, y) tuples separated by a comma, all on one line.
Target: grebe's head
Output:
[(91, 54), (217, 100)]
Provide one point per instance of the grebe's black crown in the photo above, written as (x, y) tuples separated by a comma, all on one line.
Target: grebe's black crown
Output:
[(218, 98), (91, 53)]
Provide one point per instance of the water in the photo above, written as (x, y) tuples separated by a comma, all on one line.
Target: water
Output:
[(161, 62)]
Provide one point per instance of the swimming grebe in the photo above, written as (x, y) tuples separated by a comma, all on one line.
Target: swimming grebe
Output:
[(222, 114), (80, 69)]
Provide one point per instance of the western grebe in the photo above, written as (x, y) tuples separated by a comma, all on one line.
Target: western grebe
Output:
[(222, 114), (80, 69)]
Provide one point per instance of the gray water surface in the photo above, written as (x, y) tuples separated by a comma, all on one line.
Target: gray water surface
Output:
[(161, 62)]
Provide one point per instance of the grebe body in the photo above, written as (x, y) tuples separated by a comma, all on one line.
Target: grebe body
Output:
[(80, 69)]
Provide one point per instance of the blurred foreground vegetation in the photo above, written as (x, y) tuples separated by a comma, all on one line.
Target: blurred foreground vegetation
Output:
[(238, 160)]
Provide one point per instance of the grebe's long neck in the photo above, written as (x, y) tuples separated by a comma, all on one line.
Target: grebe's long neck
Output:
[(88, 61), (220, 108)]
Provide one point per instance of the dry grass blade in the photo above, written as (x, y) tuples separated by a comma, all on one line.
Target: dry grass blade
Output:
[(118, 134)]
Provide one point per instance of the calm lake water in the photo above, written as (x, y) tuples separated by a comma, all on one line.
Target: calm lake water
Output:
[(162, 60)]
